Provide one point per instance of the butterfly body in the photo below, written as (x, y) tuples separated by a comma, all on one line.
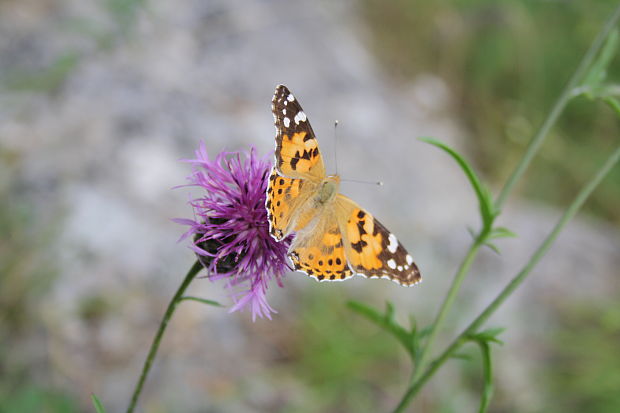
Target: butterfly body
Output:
[(328, 189), (334, 237)]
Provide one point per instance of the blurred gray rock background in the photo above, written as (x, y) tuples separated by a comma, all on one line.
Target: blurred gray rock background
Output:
[(100, 101)]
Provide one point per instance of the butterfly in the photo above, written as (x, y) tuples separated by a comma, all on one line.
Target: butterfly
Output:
[(335, 238)]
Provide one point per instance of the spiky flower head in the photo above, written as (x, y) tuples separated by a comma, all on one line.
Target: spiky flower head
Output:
[(230, 231)]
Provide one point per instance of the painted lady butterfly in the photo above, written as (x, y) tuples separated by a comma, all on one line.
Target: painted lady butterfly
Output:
[(334, 237)]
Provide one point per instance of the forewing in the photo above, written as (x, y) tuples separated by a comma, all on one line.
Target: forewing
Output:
[(372, 250), (297, 150), (319, 250)]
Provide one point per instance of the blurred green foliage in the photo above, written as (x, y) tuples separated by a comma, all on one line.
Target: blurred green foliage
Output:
[(584, 373), (31, 399), (506, 63), (347, 363)]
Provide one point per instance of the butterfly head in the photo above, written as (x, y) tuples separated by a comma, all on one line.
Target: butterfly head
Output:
[(328, 189)]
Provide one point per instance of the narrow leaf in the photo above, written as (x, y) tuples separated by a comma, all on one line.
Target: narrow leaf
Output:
[(201, 300), (490, 335), (493, 247), (386, 322), (615, 105), (98, 406), (598, 71), (366, 311), (502, 232), (486, 204), (487, 370)]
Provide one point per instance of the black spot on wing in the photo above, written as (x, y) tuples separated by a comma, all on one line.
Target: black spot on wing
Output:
[(359, 246), (294, 163)]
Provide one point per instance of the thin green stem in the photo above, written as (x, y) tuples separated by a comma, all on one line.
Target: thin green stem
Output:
[(445, 307), (191, 274), (514, 283), (558, 107)]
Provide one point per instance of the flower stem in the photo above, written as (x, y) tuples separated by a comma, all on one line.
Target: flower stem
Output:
[(445, 307), (191, 274), (558, 107), (514, 283)]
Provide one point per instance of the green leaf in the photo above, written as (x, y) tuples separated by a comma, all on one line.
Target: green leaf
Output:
[(387, 322), (489, 335), (98, 406), (200, 300), (366, 311), (493, 247), (488, 211), (501, 232), (598, 71), (484, 339), (615, 105), (487, 370)]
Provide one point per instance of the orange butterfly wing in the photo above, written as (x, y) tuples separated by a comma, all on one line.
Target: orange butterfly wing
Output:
[(373, 251), (297, 150), (319, 251)]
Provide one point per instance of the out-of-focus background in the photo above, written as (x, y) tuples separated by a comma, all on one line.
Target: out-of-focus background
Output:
[(100, 100)]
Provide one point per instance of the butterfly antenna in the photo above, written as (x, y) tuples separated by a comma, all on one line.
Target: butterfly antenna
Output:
[(357, 181), (336, 145)]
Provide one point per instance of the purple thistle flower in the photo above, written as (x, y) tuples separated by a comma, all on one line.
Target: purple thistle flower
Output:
[(230, 230)]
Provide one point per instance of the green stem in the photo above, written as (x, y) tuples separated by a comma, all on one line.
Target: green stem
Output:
[(558, 107), (445, 307), (191, 274), (514, 283)]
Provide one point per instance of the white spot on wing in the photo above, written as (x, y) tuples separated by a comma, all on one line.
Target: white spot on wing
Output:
[(300, 117), (284, 111), (409, 259), (290, 97), (393, 243), (400, 268), (286, 121), (391, 263)]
